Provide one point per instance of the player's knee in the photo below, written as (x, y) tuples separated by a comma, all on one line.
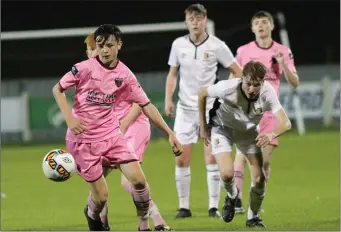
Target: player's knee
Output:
[(102, 197), (138, 183), (182, 162), (266, 164)]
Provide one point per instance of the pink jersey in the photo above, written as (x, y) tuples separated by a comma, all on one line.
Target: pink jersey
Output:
[(252, 51), (122, 108), (96, 92)]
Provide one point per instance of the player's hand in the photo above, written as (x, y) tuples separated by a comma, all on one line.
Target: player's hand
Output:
[(169, 109), (279, 56), (75, 125), (205, 134), (264, 139), (176, 145)]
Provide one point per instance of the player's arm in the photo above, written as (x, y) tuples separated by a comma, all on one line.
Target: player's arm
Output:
[(273, 105), (170, 89), (215, 91), (204, 133), (172, 77), (138, 96), (227, 60), (58, 93), (133, 114), (68, 80), (284, 123), (287, 63)]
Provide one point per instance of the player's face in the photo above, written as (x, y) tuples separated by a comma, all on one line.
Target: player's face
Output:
[(107, 49), (196, 23), (90, 51), (251, 88), (262, 27)]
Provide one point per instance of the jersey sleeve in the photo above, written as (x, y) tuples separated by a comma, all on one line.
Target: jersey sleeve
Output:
[(72, 78), (134, 92), (173, 58), (218, 90), (289, 58), (271, 100), (225, 56)]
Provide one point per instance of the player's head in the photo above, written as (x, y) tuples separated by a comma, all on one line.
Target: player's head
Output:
[(196, 19), (108, 40), (262, 24), (253, 78), (90, 45)]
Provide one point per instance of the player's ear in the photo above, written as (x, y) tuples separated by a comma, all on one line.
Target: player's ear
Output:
[(120, 43), (253, 31), (272, 26)]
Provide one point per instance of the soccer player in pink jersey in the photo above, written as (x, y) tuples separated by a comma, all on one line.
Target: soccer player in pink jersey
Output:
[(278, 60), (93, 128), (136, 127)]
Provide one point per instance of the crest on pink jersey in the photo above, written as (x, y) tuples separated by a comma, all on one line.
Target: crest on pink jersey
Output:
[(118, 82)]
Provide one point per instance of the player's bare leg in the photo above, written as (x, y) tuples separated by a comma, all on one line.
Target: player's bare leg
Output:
[(140, 191), (104, 212), (239, 166), (183, 181), (154, 213), (225, 163), (257, 191), (96, 201), (267, 156), (213, 182)]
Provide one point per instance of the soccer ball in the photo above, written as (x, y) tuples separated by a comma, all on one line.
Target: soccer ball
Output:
[(58, 165)]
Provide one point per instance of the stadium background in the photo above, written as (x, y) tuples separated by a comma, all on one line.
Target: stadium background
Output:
[(34, 66)]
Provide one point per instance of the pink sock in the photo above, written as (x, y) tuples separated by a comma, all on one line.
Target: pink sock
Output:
[(94, 209), (239, 178), (267, 174), (141, 200), (155, 214)]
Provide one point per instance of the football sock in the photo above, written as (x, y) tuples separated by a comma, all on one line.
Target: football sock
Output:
[(141, 200), (213, 183), (183, 182), (239, 178)]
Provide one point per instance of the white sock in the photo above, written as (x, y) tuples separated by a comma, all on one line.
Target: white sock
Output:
[(257, 194), (213, 183), (183, 182), (230, 188)]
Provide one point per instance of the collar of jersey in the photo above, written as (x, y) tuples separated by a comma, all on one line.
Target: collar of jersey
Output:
[(189, 38), (108, 68)]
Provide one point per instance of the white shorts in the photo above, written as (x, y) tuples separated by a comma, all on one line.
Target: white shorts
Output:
[(238, 152), (222, 140), (187, 126)]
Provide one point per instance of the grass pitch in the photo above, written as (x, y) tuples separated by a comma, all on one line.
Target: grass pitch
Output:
[(303, 192)]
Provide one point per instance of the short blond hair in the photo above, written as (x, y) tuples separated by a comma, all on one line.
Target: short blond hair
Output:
[(90, 40)]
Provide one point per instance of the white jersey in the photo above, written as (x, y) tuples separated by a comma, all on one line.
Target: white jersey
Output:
[(198, 65), (238, 112)]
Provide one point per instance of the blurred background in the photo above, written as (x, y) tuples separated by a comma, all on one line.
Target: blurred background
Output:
[(32, 62)]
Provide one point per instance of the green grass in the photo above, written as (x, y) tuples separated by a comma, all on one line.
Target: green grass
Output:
[(303, 192)]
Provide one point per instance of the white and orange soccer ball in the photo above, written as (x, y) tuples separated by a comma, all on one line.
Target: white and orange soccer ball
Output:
[(58, 165)]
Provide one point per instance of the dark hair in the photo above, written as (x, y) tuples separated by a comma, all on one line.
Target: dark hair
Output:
[(261, 14), (197, 8), (255, 70), (105, 30)]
